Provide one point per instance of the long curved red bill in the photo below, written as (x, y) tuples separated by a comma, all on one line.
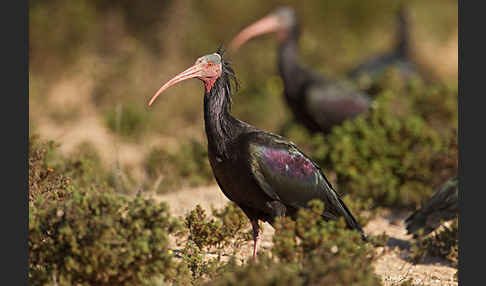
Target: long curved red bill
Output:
[(191, 72), (266, 25)]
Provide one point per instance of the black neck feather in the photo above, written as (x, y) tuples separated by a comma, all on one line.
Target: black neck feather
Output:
[(221, 127), (403, 32), (293, 75)]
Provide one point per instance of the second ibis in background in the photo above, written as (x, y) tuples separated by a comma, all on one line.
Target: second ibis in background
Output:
[(317, 102)]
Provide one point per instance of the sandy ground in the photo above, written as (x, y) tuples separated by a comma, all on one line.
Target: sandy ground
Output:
[(391, 265)]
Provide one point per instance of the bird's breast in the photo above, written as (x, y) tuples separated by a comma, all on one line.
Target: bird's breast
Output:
[(235, 181)]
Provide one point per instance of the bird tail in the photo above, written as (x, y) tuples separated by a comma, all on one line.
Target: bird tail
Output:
[(350, 220), (442, 205), (340, 209), (415, 222)]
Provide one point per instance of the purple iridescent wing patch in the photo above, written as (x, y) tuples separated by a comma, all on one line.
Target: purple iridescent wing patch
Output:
[(286, 174), (289, 164)]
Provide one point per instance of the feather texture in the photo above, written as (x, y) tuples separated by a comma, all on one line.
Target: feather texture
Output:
[(442, 206)]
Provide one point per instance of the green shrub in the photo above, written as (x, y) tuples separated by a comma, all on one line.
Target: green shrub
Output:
[(374, 84), (83, 166), (437, 103), (44, 180), (101, 239), (263, 272), (54, 174), (186, 167), (161, 174), (443, 243), (127, 120), (398, 152), (192, 163), (308, 251), (81, 232), (310, 234), (229, 228), (363, 210), (222, 235)]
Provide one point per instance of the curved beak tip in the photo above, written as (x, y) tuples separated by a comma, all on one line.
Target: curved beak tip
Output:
[(191, 72), (265, 25), (151, 101)]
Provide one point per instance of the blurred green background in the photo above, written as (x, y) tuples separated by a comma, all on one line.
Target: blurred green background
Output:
[(94, 65)]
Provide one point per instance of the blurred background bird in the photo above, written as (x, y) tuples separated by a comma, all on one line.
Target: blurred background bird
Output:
[(317, 102), (399, 57), (442, 206)]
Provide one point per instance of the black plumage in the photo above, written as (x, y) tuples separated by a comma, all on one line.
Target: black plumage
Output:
[(317, 102), (399, 57), (264, 174), (442, 206)]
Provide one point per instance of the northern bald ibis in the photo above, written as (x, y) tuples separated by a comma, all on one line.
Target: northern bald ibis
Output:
[(442, 206), (265, 174), (317, 102), (399, 57)]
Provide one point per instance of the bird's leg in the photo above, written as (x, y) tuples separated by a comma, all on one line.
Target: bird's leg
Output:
[(256, 229)]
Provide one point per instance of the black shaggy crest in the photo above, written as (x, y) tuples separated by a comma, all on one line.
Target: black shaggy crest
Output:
[(227, 80)]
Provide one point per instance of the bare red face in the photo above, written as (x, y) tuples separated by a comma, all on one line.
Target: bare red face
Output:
[(207, 68), (211, 70)]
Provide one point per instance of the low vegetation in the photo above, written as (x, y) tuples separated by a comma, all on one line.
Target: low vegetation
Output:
[(308, 251), (443, 243), (207, 241), (81, 232), (94, 235), (399, 152), (87, 227), (84, 231), (101, 239), (44, 180), (188, 166), (127, 121)]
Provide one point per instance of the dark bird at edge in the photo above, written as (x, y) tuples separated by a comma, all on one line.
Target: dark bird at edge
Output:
[(317, 102), (442, 206), (266, 175)]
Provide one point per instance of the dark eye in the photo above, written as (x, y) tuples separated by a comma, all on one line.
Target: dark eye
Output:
[(210, 64)]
